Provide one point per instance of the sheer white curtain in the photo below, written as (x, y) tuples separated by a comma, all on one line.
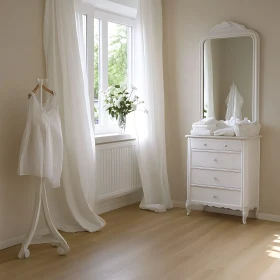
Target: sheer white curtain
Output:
[(66, 75), (208, 80), (150, 127)]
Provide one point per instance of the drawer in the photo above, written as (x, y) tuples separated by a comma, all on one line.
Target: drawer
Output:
[(218, 145), (216, 178), (216, 196), (231, 161)]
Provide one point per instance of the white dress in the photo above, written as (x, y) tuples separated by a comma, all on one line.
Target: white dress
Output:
[(234, 103), (41, 153)]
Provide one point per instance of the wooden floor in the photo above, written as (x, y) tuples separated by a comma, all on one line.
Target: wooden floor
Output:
[(142, 245)]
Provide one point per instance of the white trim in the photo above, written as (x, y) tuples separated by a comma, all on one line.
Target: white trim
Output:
[(118, 202), (114, 18), (269, 217), (102, 207), (20, 238), (113, 7), (86, 9), (119, 193), (229, 29), (112, 137)]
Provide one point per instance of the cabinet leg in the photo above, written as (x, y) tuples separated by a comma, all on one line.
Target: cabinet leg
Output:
[(188, 208), (245, 215)]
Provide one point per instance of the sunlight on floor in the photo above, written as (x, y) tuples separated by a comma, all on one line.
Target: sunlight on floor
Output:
[(274, 251)]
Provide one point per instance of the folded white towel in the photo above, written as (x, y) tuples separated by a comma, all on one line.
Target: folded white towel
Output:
[(207, 121), (229, 131), (204, 126), (201, 132)]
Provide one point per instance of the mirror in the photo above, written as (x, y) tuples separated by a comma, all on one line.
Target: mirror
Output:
[(228, 65), (229, 74)]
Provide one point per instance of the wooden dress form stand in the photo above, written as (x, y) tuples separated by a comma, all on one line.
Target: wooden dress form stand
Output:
[(41, 202)]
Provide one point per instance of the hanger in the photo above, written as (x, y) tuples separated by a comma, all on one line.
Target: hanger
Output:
[(43, 87)]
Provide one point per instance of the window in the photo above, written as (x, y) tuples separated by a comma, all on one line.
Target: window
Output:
[(109, 45)]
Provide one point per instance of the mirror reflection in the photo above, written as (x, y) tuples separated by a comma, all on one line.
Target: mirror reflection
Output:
[(228, 78)]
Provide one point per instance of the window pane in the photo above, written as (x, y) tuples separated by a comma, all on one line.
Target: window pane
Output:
[(117, 53), (96, 68)]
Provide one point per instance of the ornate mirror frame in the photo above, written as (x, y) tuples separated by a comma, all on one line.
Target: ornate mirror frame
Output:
[(229, 29)]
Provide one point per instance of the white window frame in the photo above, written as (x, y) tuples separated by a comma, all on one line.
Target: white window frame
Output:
[(105, 17)]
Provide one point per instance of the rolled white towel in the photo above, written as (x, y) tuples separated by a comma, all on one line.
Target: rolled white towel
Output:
[(201, 132), (229, 131)]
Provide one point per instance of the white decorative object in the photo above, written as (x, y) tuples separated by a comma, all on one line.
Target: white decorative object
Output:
[(224, 172), (231, 29)]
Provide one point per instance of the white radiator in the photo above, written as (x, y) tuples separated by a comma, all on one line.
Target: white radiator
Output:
[(117, 169)]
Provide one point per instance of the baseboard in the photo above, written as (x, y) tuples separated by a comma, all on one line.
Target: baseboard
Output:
[(102, 207), (269, 217), (19, 239), (118, 202)]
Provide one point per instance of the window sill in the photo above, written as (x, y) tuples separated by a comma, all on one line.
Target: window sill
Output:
[(112, 137)]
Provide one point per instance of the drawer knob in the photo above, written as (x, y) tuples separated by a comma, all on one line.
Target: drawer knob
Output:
[(215, 160), (205, 145), (225, 145), (215, 178), (214, 196)]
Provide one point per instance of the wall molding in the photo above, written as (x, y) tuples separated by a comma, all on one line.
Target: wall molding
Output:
[(102, 207), (19, 239), (118, 202), (269, 217)]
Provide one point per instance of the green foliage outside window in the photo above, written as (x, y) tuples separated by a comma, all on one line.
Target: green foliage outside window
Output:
[(117, 62)]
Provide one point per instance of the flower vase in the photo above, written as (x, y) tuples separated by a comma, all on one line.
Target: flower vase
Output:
[(122, 123)]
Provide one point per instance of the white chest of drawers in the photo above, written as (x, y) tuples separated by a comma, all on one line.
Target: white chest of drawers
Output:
[(224, 172)]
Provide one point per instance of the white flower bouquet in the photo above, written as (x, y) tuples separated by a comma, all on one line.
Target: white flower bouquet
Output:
[(120, 100)]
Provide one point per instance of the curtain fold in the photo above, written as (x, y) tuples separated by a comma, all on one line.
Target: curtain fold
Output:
[(67, 76), (150, 127)]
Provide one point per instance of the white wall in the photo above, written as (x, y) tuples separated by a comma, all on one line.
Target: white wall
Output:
[(21, 62), (185, 22)]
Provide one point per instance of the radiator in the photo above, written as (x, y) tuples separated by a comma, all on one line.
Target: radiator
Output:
[(117, 169)]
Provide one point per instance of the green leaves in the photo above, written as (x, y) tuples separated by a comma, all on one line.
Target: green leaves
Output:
[(119, 100)]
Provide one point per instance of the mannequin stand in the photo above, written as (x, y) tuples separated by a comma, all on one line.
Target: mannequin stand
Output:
[(54, 236)]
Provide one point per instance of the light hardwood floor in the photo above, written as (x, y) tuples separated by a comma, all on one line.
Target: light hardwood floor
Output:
[(142, 245)]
